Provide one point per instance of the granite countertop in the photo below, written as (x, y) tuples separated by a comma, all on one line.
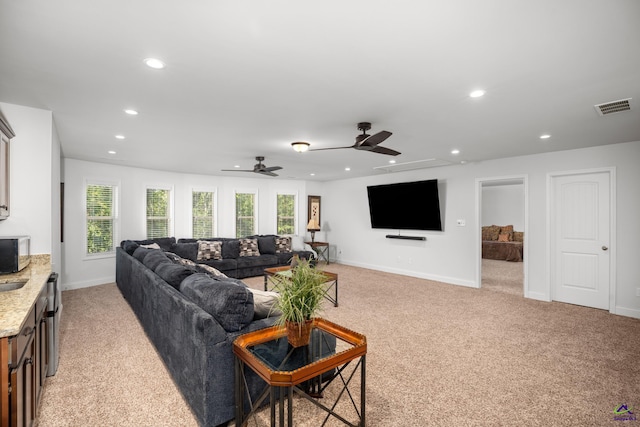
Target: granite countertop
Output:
[(15, 305)]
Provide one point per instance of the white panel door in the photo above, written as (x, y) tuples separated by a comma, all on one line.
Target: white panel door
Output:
[(580, 232)]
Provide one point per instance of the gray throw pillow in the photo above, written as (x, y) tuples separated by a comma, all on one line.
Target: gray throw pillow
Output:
[(155, 258), (231, 305)]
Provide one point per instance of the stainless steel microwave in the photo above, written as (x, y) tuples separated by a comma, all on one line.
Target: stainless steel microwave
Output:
[(15, 253)]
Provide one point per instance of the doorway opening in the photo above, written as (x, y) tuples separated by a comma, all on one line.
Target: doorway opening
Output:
[(501, 207)]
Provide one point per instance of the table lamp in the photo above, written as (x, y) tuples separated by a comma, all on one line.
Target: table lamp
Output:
[(312, 227)]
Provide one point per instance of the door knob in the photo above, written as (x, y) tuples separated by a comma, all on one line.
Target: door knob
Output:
[(604, 248)]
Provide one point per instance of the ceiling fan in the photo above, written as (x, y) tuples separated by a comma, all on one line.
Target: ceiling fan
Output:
[(258, 168), (367, 142)]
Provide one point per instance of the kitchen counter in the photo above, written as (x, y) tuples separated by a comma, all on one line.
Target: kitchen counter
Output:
[(15, 305)]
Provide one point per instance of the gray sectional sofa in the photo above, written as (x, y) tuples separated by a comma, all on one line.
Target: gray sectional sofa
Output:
[(232, 260), (192, 314)]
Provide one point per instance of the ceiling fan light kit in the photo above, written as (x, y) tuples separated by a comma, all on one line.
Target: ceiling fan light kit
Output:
[(300, 146)]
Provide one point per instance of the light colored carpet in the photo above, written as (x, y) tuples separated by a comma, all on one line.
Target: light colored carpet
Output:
[(503, 276), (438, 355)]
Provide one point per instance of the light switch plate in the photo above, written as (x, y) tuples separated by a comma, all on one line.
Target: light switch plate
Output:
[(461, 223)]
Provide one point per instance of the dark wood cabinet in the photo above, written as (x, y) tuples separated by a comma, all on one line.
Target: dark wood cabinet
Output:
[(24, 368)]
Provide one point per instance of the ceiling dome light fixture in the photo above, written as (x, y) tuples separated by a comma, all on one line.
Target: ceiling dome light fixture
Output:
[(154, 63), (300, 146), (477, 93)]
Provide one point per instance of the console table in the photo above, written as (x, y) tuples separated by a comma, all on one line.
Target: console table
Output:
[(322, 248), (305, 371)]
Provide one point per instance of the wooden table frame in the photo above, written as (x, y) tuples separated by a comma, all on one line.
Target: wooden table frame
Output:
[(282, 384), (331, 283), (322, 249)]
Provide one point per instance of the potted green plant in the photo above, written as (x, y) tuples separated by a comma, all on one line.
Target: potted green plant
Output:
[(301, 295)]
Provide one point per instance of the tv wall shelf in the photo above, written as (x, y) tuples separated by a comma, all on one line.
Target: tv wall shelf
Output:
[(397, 236)]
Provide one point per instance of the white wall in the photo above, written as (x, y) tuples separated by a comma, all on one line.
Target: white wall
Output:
[(450, 256), (82, 271), (34, 153), (503, 205)]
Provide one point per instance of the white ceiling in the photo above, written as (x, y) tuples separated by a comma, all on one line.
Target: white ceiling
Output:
[(247, 78)]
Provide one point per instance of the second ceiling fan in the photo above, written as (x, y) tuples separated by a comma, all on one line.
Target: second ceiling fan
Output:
[(367, 142)]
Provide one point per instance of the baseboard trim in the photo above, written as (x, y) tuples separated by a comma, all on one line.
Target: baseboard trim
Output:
[(87, 283), (629, 312)]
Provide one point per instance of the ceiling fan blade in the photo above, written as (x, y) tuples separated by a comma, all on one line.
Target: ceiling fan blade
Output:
[(271, 169), (266, 172), (376, 139), (383, 150), (330, 148), (237, 170)]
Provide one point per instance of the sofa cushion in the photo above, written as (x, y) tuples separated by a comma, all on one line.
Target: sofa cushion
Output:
[(179, 260), (283, 244), (209, 250), (249, 247), (257, 261), (155, 258), (174, 274), (491, 232), (164, 242), (129, 246), (185, 250), (141, 252), (504, 237), (264, 304), (229, 304)]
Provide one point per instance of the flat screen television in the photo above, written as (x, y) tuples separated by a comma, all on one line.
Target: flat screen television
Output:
[(405, 206)]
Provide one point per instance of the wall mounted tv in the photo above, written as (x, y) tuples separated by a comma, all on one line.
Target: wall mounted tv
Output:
[(405, 206)]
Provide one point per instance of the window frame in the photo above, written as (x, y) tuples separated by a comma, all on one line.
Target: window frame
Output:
[(215, 209), (255, 211), (169, 188), (115, 217), (295, 211)]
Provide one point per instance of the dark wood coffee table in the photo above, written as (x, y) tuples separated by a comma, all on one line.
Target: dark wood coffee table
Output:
[(305, 371), (331, 283)]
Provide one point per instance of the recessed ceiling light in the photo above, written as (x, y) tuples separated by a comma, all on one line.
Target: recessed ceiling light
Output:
[(119, 136), (111, 152), (456, 151), (347, 169), (131, 112), (392, 161), (477, 93), (312, 174), (545, 136), (154, 63), (236, 166)]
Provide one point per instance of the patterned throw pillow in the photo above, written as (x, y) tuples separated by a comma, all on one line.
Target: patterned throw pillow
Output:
[(491, 232), (506, 229), (518, 236), (207, 269), (249, 247), (283, 245), (209, 250)]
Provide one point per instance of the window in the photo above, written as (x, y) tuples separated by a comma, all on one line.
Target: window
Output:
[(202, 210), (245, 214), (158, 213), (286, 215), (101, 218)]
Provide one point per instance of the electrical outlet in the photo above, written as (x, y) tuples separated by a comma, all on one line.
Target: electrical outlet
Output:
[(461, 223)]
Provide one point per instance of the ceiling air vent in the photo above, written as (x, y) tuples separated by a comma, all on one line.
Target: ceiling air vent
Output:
[(613, 107), (418, 164)]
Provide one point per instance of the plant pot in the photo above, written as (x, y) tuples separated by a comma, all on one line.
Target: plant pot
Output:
[(298, 334)]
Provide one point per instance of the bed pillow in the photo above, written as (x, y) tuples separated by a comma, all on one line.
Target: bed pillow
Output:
[(229, 304)]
